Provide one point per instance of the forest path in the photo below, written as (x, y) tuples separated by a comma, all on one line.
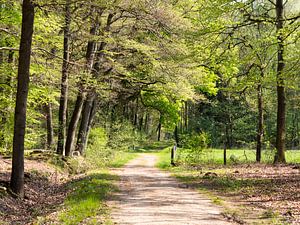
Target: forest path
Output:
[(149, 196)]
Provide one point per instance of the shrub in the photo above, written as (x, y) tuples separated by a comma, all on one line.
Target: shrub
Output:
[(194, 144)]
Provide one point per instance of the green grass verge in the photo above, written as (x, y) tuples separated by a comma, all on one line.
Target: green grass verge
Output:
[(86, 201), (234, 156), (121, 158)]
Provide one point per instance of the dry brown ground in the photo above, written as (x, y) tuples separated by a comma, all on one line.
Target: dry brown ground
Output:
[(267, 188), (44, 192)]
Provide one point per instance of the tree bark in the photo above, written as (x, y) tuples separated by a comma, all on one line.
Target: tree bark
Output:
[(141, 121), (62, 114), (17, 175), (90, 54), (136, 109), (176, 137), (85, 118), (89, 110), (159, 128), (260, 129), (48, 109), (146, 123), (186, 116), (73, 124), (281, 104)]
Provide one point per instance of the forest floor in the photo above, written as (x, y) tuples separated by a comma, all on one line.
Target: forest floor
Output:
[(272, 191), (251, 193), (150, 196), (213, 194), (45, 190)]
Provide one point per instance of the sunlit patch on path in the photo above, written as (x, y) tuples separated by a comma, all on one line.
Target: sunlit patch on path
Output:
[(150, 196)]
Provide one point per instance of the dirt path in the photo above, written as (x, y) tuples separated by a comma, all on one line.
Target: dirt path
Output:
[(149, 196)]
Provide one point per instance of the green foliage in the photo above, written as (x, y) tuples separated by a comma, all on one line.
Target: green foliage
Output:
[(124, 136), (101, 153), (215, 157), (194, 144), (167, 107), (194, 140)]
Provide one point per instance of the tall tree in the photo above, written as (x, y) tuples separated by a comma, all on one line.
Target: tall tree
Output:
[(62, 117), (17, 175), (281, 103), (90, 54)]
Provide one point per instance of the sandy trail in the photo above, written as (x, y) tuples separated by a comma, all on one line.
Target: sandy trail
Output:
[(150, 196)]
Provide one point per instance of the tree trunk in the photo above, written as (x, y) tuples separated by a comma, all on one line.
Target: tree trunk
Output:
[(17, 175), (226, 142), (48, 109), (89, 110), (73, 124), (260, 129), (85, 118), (141, 121), (146, 123), (159, 128), (176, 137), (186, 116), (62, 114), (90, 53), (136, 109), (281, 104), (173, 150), (181, 120), (91, 119), (225, 154)]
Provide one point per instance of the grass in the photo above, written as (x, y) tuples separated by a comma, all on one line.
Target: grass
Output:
[(86, 201), (219, 188), (235, 156), (121, 158)]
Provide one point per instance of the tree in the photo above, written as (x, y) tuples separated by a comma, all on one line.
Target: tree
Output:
[(62, 118), (281, 102), (17, 175)]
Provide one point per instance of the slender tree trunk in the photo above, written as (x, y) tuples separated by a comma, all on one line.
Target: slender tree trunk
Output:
[(159, 128), (159, 131), (225, 153), (260, 129), (186, 116), (176, 137), (229, 132), (141, 121), (62, 114), (181, 120), (135, 121), (85, 118), (73, 124), (48, 109), (173, 150), (90, 53), (281, 104), (226, 144), (17, 175), (89, 110), (146, 125)]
